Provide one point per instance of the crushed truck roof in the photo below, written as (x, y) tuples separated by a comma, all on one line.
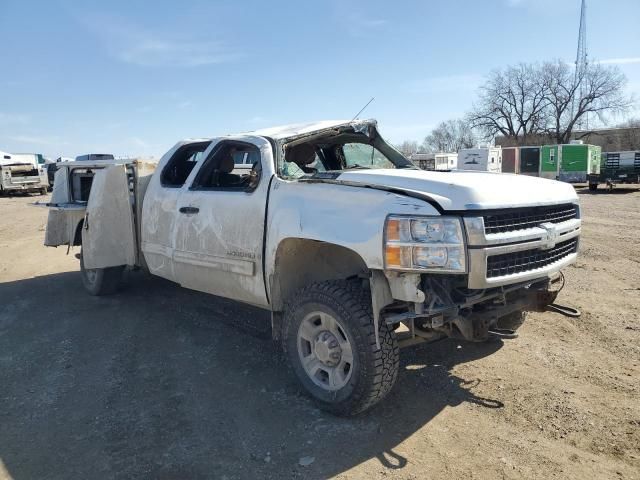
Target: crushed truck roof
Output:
[(296, 129), (290, 131)]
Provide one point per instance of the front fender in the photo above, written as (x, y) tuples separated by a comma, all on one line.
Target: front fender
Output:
[(346, 216)]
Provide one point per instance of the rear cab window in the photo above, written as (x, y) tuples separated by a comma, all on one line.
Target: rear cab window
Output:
[(180, 165)]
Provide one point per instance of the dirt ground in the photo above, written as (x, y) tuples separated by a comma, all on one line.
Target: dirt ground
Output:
[(165, 383)]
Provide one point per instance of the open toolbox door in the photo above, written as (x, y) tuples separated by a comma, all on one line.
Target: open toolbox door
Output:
[(108, 233)]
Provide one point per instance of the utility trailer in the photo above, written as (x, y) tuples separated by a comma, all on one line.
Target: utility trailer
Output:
[(482, 159), (571, 163), (617, 167), (446, 161), (530, 161), (510, 160), (424, 161)]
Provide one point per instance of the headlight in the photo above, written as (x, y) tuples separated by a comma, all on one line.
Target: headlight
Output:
[(433, 244)]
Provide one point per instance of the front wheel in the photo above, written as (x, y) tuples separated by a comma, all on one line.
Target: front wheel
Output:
[(101, 281), (329, 339)]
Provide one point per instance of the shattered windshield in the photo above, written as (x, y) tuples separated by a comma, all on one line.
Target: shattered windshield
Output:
[(359, 155), (337, 151)]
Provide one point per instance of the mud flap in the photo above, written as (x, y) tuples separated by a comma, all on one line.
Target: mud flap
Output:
[(108, 234)]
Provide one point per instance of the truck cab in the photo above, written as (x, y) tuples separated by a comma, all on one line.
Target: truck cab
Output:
[(354, 250)]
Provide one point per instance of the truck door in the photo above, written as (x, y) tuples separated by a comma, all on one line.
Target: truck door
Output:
[(219, 229), (159, 209)]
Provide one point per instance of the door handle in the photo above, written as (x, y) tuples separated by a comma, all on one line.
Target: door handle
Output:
[(189, 210)]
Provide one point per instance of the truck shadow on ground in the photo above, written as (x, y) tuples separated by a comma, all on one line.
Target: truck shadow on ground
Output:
[(162, 382)]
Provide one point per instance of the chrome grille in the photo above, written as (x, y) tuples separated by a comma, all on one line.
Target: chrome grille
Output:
[(521, 218), (526, 260)]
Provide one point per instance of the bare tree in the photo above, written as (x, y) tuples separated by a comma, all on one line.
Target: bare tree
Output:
[(512, 103), (450, 136), (408, 147), (597, 90), (630, 123), (530, 100), (630, 135)]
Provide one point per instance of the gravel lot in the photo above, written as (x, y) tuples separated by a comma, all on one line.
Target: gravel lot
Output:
[(165, 383)]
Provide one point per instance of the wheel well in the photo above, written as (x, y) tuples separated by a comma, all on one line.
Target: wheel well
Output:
[(300, 262)]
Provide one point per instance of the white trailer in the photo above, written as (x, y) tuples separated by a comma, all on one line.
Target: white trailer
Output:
[(446, 161), (487, 159)]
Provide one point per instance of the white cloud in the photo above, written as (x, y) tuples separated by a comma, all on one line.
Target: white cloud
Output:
[(37, 140), (357, 21), (13, 119), (619, 61), (370, 22), (359, 26), (152, 52), (136, 45), (445, 84)]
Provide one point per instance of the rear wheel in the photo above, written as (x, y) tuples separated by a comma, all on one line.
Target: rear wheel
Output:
[(101, 281), (329, 339)]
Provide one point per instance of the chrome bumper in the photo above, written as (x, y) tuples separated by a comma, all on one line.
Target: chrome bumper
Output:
[(481, 246)]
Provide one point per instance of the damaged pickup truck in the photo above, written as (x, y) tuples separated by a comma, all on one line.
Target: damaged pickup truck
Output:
[(354, 250)]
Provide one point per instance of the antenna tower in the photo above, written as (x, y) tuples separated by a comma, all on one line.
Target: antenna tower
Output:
[(581, 60)]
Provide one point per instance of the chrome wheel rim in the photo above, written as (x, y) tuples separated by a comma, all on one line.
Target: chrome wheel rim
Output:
[(325, 351)]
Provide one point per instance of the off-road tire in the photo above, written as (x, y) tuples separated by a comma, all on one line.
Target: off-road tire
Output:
[(101, 281), (513, 321), (375, 370)]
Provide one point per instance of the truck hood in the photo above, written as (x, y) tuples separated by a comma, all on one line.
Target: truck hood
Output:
[(466, 190)]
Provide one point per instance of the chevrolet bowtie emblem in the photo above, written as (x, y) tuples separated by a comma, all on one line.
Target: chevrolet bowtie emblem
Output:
[(550, 237)]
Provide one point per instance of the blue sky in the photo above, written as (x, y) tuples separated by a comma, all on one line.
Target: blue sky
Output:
[(132, 77)]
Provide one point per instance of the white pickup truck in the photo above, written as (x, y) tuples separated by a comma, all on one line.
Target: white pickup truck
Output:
[(354, 250), (22, 172)]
